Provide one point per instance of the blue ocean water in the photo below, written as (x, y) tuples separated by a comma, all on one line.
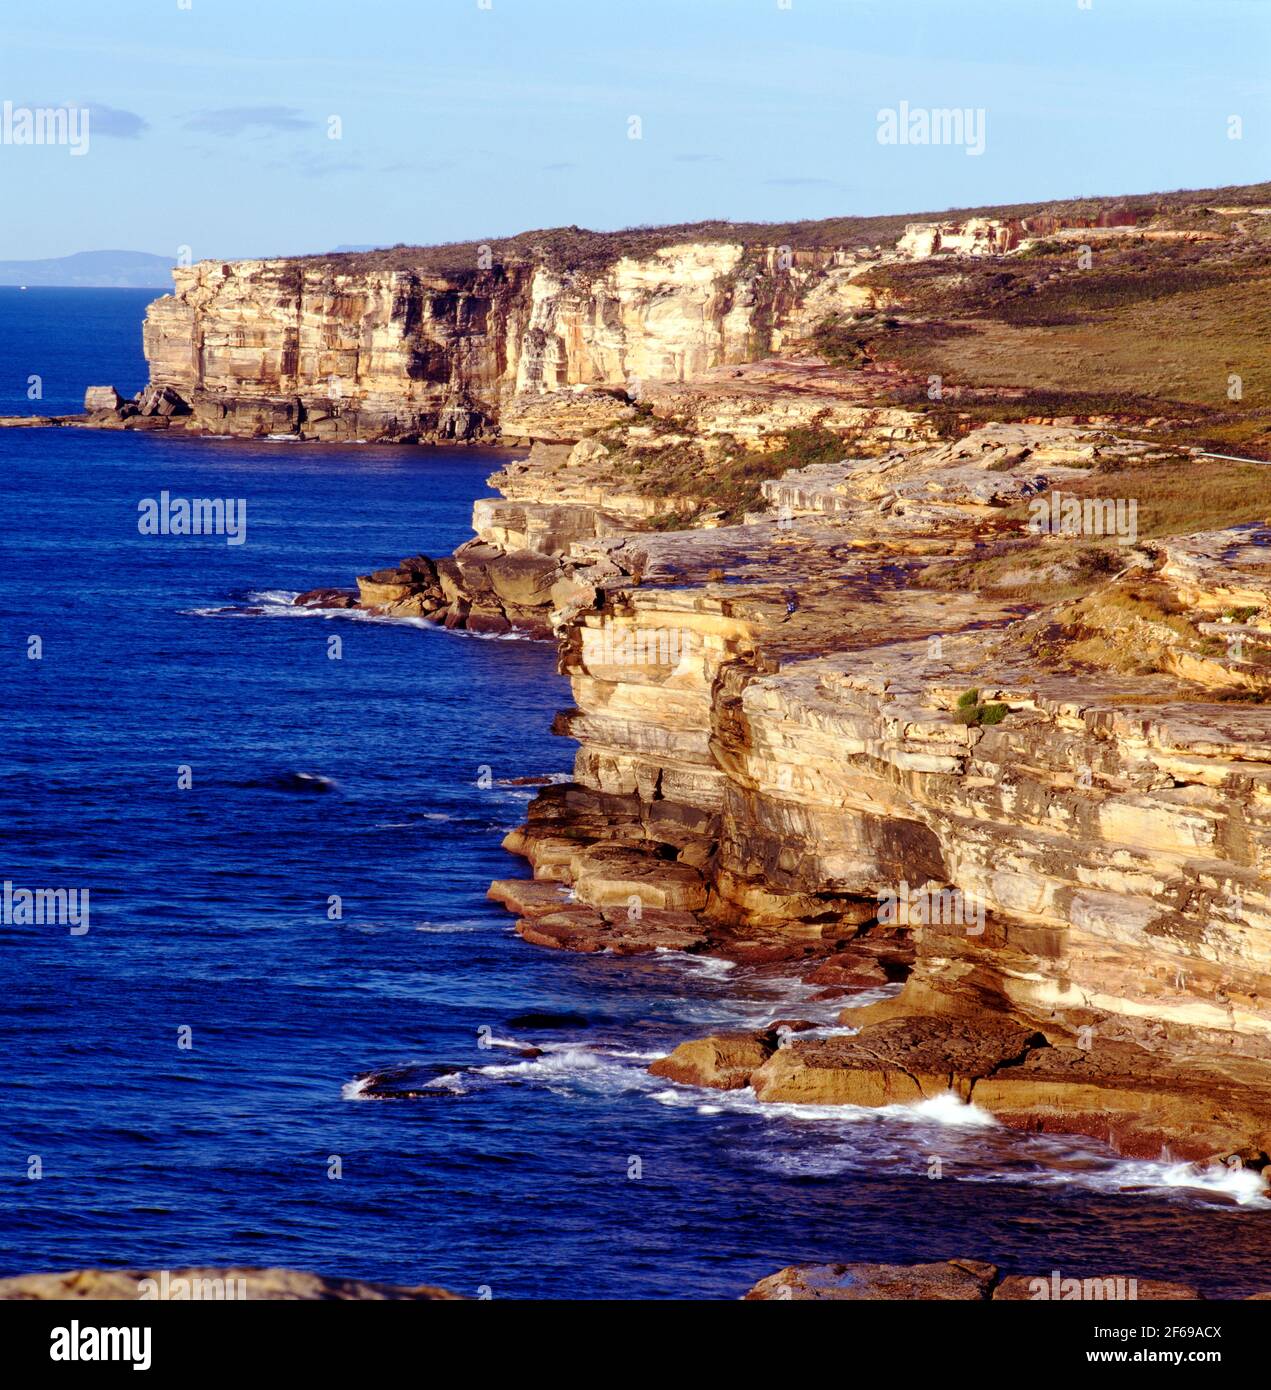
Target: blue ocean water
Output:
[(570, 1173)]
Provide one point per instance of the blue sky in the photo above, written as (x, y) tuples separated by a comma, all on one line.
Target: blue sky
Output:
[(210, 125)]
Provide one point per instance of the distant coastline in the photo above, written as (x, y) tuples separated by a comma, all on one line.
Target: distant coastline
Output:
[(98, 270)]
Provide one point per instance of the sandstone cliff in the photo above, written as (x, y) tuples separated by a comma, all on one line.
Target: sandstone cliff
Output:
[(459, 343), (336, 353), (865, 693), (837, 700)]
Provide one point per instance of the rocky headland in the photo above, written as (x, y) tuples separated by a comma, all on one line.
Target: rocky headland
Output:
[(919, 629)]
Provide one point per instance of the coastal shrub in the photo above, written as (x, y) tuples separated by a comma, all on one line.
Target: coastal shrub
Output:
[(731, 482), (970, 711), (843, 342)]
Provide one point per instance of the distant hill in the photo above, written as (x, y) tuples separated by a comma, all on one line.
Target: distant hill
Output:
[(100, 269)]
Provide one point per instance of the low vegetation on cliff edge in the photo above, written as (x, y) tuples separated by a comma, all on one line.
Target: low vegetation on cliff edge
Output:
[(579, 249), (721, 479)]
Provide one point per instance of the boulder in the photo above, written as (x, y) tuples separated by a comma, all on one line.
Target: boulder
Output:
[(1111, 1288), (161, 400), (723, 1061), (958, 1280), (383, 587), (325, 598), (574, 926), (895, 1062), (610, 876), (102, 398), (527, 897), (965, 1281), (523, 580)]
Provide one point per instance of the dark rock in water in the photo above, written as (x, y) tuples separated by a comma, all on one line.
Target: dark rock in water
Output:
[(325, 598), (549, 1020), (311, 782), (409, 1082), (308, 782)]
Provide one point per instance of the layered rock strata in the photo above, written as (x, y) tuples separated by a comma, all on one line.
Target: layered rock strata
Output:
[(775, 739), (329, 352), (854, 714)]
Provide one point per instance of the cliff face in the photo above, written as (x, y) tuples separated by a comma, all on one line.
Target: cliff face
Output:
[(276, 346), (1109, 841), (335, 348), (838, 702), (805, 730), (285, 345)]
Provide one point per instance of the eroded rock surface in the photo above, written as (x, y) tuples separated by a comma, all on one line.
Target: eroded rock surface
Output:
[(958, 1280), (786, 723), (206, 1284)]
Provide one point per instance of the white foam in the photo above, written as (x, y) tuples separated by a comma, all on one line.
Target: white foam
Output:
[(451, 1081), (570, 1068), (627, 1056), (946, 1109), (712, 967), (1245, 1186), (280, 603), (674, 1098)]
